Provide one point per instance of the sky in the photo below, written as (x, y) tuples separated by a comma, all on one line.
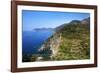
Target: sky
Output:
[(48, 19)]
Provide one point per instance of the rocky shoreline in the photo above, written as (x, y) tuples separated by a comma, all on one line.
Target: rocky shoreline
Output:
[(50, 47)]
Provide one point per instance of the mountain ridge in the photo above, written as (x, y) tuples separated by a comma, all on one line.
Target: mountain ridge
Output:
[(85, 21)]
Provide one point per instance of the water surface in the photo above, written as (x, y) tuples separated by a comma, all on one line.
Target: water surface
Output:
[(33, 40)]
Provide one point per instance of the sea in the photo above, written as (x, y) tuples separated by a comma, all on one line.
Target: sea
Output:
[(33, 40)]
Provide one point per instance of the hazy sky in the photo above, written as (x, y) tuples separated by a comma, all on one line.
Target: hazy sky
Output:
[(47, 19)]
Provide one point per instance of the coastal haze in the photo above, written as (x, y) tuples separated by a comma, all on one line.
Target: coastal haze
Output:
[(43, 32)]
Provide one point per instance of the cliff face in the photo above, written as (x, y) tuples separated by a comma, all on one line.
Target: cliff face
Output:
[(50, 47)]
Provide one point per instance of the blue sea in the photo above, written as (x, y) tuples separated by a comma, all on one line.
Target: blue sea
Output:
[(33, 40)]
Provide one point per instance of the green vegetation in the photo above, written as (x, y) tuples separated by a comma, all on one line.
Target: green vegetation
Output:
[(75, 43)]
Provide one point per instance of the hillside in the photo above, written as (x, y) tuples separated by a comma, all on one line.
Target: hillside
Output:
[(71, 41), (75, 41)]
